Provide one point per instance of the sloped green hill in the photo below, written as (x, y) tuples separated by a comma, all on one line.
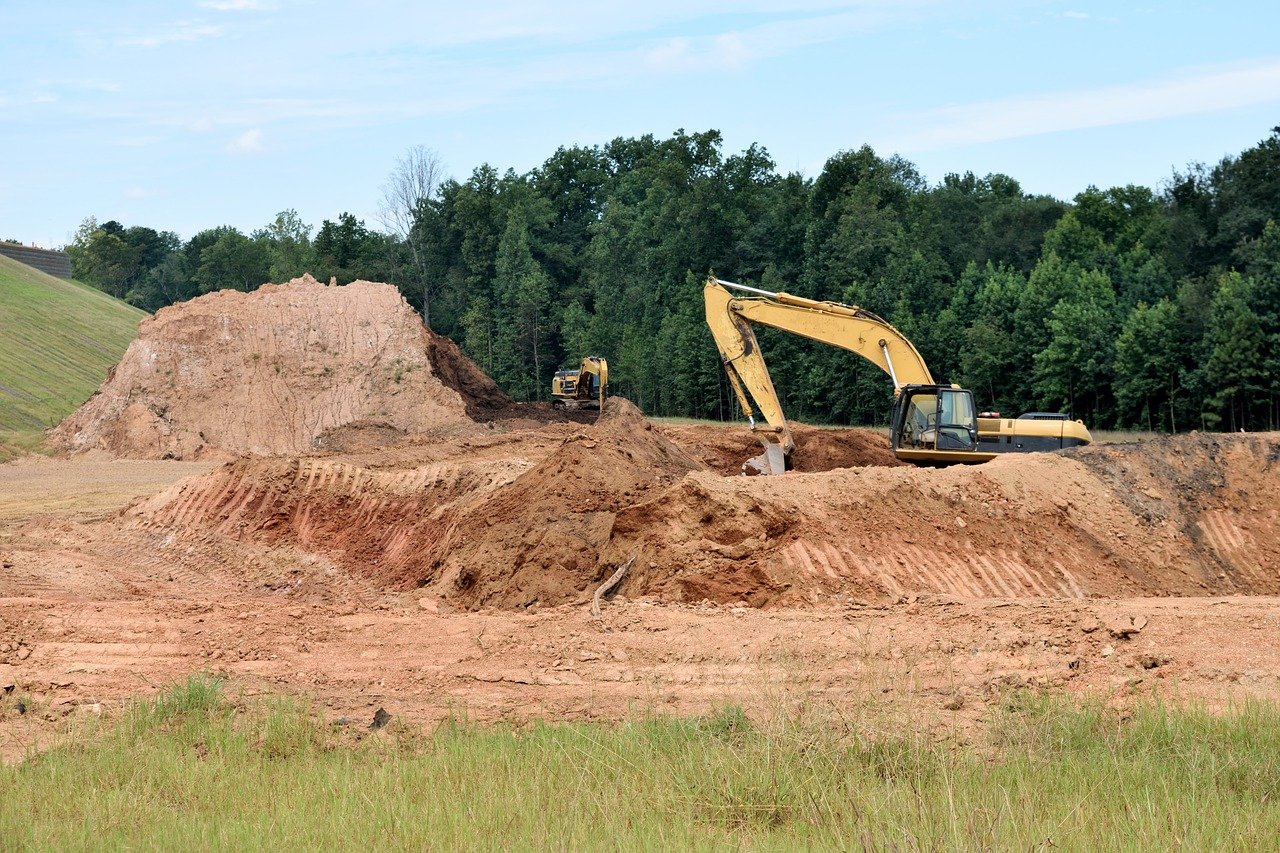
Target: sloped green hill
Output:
[(58, 338)]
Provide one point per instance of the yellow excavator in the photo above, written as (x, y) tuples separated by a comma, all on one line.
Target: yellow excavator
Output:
[(584, 388), (931, 424)]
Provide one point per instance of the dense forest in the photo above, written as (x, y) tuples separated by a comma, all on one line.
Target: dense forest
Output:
[(1127, 307)]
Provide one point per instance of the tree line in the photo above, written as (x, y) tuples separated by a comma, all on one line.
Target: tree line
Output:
[(1127, 307)]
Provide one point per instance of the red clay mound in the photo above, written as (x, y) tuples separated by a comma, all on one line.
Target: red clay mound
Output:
[(270, 372), (503, 529), (479, 392), (512, 519), (539, 539), (1191, 515), (380, 523)]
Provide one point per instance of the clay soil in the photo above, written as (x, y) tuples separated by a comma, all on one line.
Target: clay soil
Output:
[(406, 537), (446, 576)]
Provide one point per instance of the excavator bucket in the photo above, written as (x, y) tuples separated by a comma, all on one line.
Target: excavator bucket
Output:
[(772, 461)]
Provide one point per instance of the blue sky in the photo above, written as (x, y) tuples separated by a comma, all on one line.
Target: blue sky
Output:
[(188, 115)]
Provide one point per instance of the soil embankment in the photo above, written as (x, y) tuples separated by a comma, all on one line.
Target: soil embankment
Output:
[(1182, 516)]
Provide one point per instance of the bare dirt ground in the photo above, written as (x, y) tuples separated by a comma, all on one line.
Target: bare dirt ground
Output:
[(101, 602), (368, 522)]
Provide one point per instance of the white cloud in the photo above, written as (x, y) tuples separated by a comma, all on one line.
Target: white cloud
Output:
[(249, 142), (27, 100), (182, 31), (683, 54), (1193, 92), (1079, 16)]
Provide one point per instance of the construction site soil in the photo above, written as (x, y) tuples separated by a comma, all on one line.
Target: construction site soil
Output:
[(364, 518)]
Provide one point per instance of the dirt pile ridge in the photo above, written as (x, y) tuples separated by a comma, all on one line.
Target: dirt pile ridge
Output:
[(1182, 516), (489, 527), (380, 523), (513, 519), (540, 539), (273, 371)]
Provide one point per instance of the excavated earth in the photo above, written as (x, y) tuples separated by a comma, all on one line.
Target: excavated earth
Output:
[(275, 371), (511, 523), (363, 518)]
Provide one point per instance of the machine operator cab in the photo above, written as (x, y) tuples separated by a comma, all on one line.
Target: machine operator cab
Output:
[(934, 418)]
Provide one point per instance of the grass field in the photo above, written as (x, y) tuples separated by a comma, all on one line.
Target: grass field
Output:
[(58, 338), (191, 769)]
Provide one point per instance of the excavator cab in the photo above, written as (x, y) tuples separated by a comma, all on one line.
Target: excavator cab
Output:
[(933, 418)]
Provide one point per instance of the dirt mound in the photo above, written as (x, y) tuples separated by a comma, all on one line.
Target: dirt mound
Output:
[(539, 540), (380, 523), (496, 528), (481, 395), (542, 517), (270, 372), (1182, 516), (725, 448)]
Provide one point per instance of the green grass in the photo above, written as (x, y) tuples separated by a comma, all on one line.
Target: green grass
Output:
[(15, 444), (192, 770), (58, 338)]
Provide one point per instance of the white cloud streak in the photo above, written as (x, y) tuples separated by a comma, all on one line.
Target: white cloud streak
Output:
[(1193, 92), (249, 142)]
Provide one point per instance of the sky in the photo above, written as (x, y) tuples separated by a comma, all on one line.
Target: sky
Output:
[(191, 114)]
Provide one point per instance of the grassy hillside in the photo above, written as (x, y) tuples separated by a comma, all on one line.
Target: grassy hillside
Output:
[(57, 340)]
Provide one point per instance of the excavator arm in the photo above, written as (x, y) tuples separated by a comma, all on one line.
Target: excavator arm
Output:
[(730, 317)]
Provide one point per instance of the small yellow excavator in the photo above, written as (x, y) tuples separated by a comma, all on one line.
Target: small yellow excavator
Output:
[(584, 388), (931, 424)]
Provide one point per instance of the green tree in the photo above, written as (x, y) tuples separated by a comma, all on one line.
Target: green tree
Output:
[(1148, 367), (992, 359), (1235, 344), (524, 290), (233, 262), (288, 241), (1263, 267), (1075, 368), (101, 256), (166, 283)]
